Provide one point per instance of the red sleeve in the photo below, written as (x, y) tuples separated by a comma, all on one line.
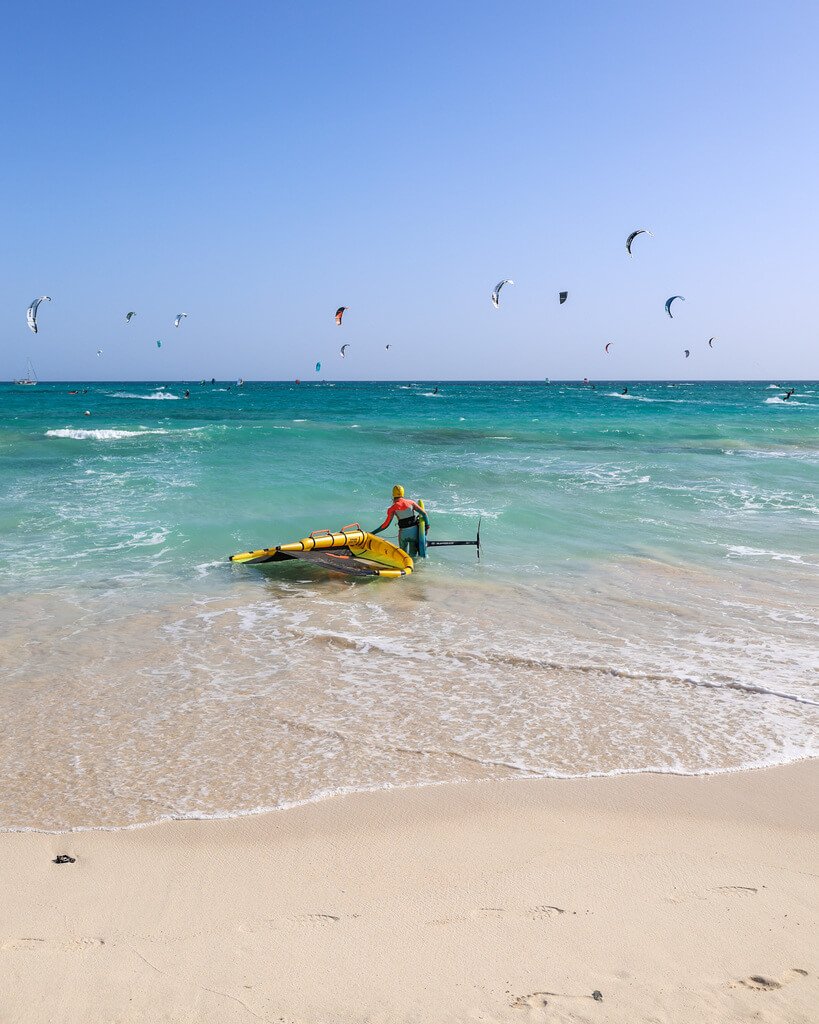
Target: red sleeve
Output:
[(388, 520)]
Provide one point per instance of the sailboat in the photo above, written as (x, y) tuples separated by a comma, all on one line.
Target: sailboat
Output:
[(30, 378)]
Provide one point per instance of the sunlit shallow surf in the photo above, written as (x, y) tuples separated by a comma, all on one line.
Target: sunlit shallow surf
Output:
[(646, 599)]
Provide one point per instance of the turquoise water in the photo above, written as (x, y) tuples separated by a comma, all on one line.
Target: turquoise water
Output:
[(646, 599)]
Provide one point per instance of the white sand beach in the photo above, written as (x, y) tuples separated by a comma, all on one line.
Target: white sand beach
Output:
[(674, 899)]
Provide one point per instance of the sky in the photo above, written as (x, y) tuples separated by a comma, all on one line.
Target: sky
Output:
[(258, 164)]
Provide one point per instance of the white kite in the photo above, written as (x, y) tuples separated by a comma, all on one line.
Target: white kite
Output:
[(31, 312)]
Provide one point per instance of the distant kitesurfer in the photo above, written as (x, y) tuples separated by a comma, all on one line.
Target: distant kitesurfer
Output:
[(408, 513), (187, 394), (624, 391), (788, 395), (435, 392), (213, 380)]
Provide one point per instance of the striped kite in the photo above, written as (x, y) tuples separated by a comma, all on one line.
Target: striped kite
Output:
[(669, 301), (633, 235), (31, 312), (496, 292)]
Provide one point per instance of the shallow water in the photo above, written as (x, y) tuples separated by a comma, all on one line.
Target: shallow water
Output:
[(646, 599)]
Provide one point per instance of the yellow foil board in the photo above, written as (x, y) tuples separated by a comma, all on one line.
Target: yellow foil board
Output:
[(374, 553)]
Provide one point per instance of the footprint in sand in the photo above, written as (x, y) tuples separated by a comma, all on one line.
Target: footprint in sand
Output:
[(532, 1001), (537, 1000), (763, 983), (70, 946), (539, 913), (679, 897)]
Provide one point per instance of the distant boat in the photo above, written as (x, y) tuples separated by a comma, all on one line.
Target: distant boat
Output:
[(30, 378)]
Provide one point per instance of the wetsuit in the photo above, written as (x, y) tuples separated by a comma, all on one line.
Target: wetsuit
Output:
[(408, 513)]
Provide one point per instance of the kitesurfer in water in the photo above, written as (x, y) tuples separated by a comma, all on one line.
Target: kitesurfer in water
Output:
[(787, 396), (410, 516), (624, 391), (187, 394)]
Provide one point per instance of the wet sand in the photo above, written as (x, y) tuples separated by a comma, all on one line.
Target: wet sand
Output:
[(675, 899)]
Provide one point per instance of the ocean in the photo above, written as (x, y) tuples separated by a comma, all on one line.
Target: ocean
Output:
[(646, 599)]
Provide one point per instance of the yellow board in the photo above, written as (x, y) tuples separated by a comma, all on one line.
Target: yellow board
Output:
[(375, 554)]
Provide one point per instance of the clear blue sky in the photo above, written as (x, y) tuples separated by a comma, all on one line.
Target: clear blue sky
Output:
[(258, 164)]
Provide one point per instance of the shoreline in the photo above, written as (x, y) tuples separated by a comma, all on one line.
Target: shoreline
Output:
[(676, 897), (322, 798)]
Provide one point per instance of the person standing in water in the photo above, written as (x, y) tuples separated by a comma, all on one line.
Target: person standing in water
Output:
[(411, 517)]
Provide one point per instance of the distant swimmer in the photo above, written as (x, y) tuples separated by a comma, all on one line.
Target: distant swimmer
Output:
[(187, 394), (409, 515), (73, 392)]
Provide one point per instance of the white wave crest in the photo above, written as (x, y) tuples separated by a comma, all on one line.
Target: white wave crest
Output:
[(156, 396), (113, 435), (742, 551), (642, 398), (101, 435)]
